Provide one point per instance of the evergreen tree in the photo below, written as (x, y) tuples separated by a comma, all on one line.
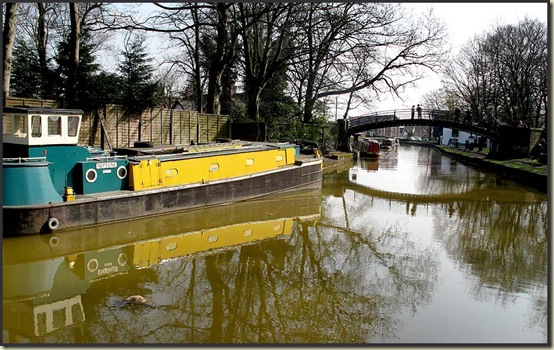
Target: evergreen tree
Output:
[(139, 92), (106, 89), (25, 75), (281, 113), (85, 73)]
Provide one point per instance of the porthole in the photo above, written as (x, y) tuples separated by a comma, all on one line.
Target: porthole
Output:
[(92, 265), (121, 172), (122, 259), (91, 175), (279, 158), (171, 172), (214, 167), (250, 161)]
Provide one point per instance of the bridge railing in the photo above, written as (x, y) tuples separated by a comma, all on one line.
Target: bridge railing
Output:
[(401, 114), (482, 125)]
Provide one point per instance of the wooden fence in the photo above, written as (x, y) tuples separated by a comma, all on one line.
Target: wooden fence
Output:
[(159, 126), (32, 102)]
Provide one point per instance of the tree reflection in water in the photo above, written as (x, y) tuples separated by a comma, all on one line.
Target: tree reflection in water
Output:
[(504, 246), (326, 284), (341, 278)]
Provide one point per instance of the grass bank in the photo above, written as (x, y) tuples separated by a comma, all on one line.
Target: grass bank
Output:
[(337, 160)]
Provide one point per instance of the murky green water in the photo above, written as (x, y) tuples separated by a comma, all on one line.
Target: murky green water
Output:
[(413, 248)]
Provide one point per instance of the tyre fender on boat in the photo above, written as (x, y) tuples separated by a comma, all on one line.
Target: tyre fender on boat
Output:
[(53, 224)]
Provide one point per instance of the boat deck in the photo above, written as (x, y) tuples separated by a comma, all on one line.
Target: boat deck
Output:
[(302, 159), (164, 152)]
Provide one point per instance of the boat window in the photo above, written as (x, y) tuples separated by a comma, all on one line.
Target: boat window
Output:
[(36, 128), (20, 125), (7, 126), (214, 167), (72, 126), (250, 161), (58, 318), (54, 125)]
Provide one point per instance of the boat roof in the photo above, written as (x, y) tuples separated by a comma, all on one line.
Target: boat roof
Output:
[(41, 110)]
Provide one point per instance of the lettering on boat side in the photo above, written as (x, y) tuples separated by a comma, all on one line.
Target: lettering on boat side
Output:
[(106, 165), (107, 270)]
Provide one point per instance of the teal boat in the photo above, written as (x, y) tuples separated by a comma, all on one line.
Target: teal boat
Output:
[(52, 183)]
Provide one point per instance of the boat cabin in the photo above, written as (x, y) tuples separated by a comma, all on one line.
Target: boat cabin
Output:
[(42, 158), (40, 126)]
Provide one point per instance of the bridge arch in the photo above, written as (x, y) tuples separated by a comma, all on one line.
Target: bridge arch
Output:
[(429, 117)]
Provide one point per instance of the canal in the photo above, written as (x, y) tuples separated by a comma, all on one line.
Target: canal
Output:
[(412, 248)]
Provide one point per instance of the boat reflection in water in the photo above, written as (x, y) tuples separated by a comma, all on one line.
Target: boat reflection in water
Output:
[(369, 164), (45, 276)]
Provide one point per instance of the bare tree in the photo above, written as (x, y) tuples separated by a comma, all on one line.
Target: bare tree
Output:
[(502, 73), (391, 50), (267, 46), (172, 83), (221, 55), (41, 25), (193, 28), (79, 14), (8, 35), (443, 99)]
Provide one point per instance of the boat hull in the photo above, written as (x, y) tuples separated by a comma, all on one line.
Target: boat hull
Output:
[(127, 205), (369, 155)]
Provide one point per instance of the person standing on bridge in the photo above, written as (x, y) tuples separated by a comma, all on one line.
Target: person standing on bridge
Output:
[(418, 112), (467, 118), (413, 112), (457, 113)]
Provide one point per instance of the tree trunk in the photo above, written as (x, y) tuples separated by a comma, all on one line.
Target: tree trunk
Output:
[(9, 38), (310, 101), (41, 48), (218, 62), (308, 109), (253, 105), (74, 43), (197, 79), (213, 105)]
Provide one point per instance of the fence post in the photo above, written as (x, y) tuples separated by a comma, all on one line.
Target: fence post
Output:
[(171, 126), (197, 128), (117, 126), (140, 127), (161, 126), (128, 130)]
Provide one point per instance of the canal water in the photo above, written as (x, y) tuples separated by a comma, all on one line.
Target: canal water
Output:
[(412, 248)]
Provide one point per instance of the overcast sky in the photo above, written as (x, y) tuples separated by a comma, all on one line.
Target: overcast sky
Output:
[(464, 21)]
